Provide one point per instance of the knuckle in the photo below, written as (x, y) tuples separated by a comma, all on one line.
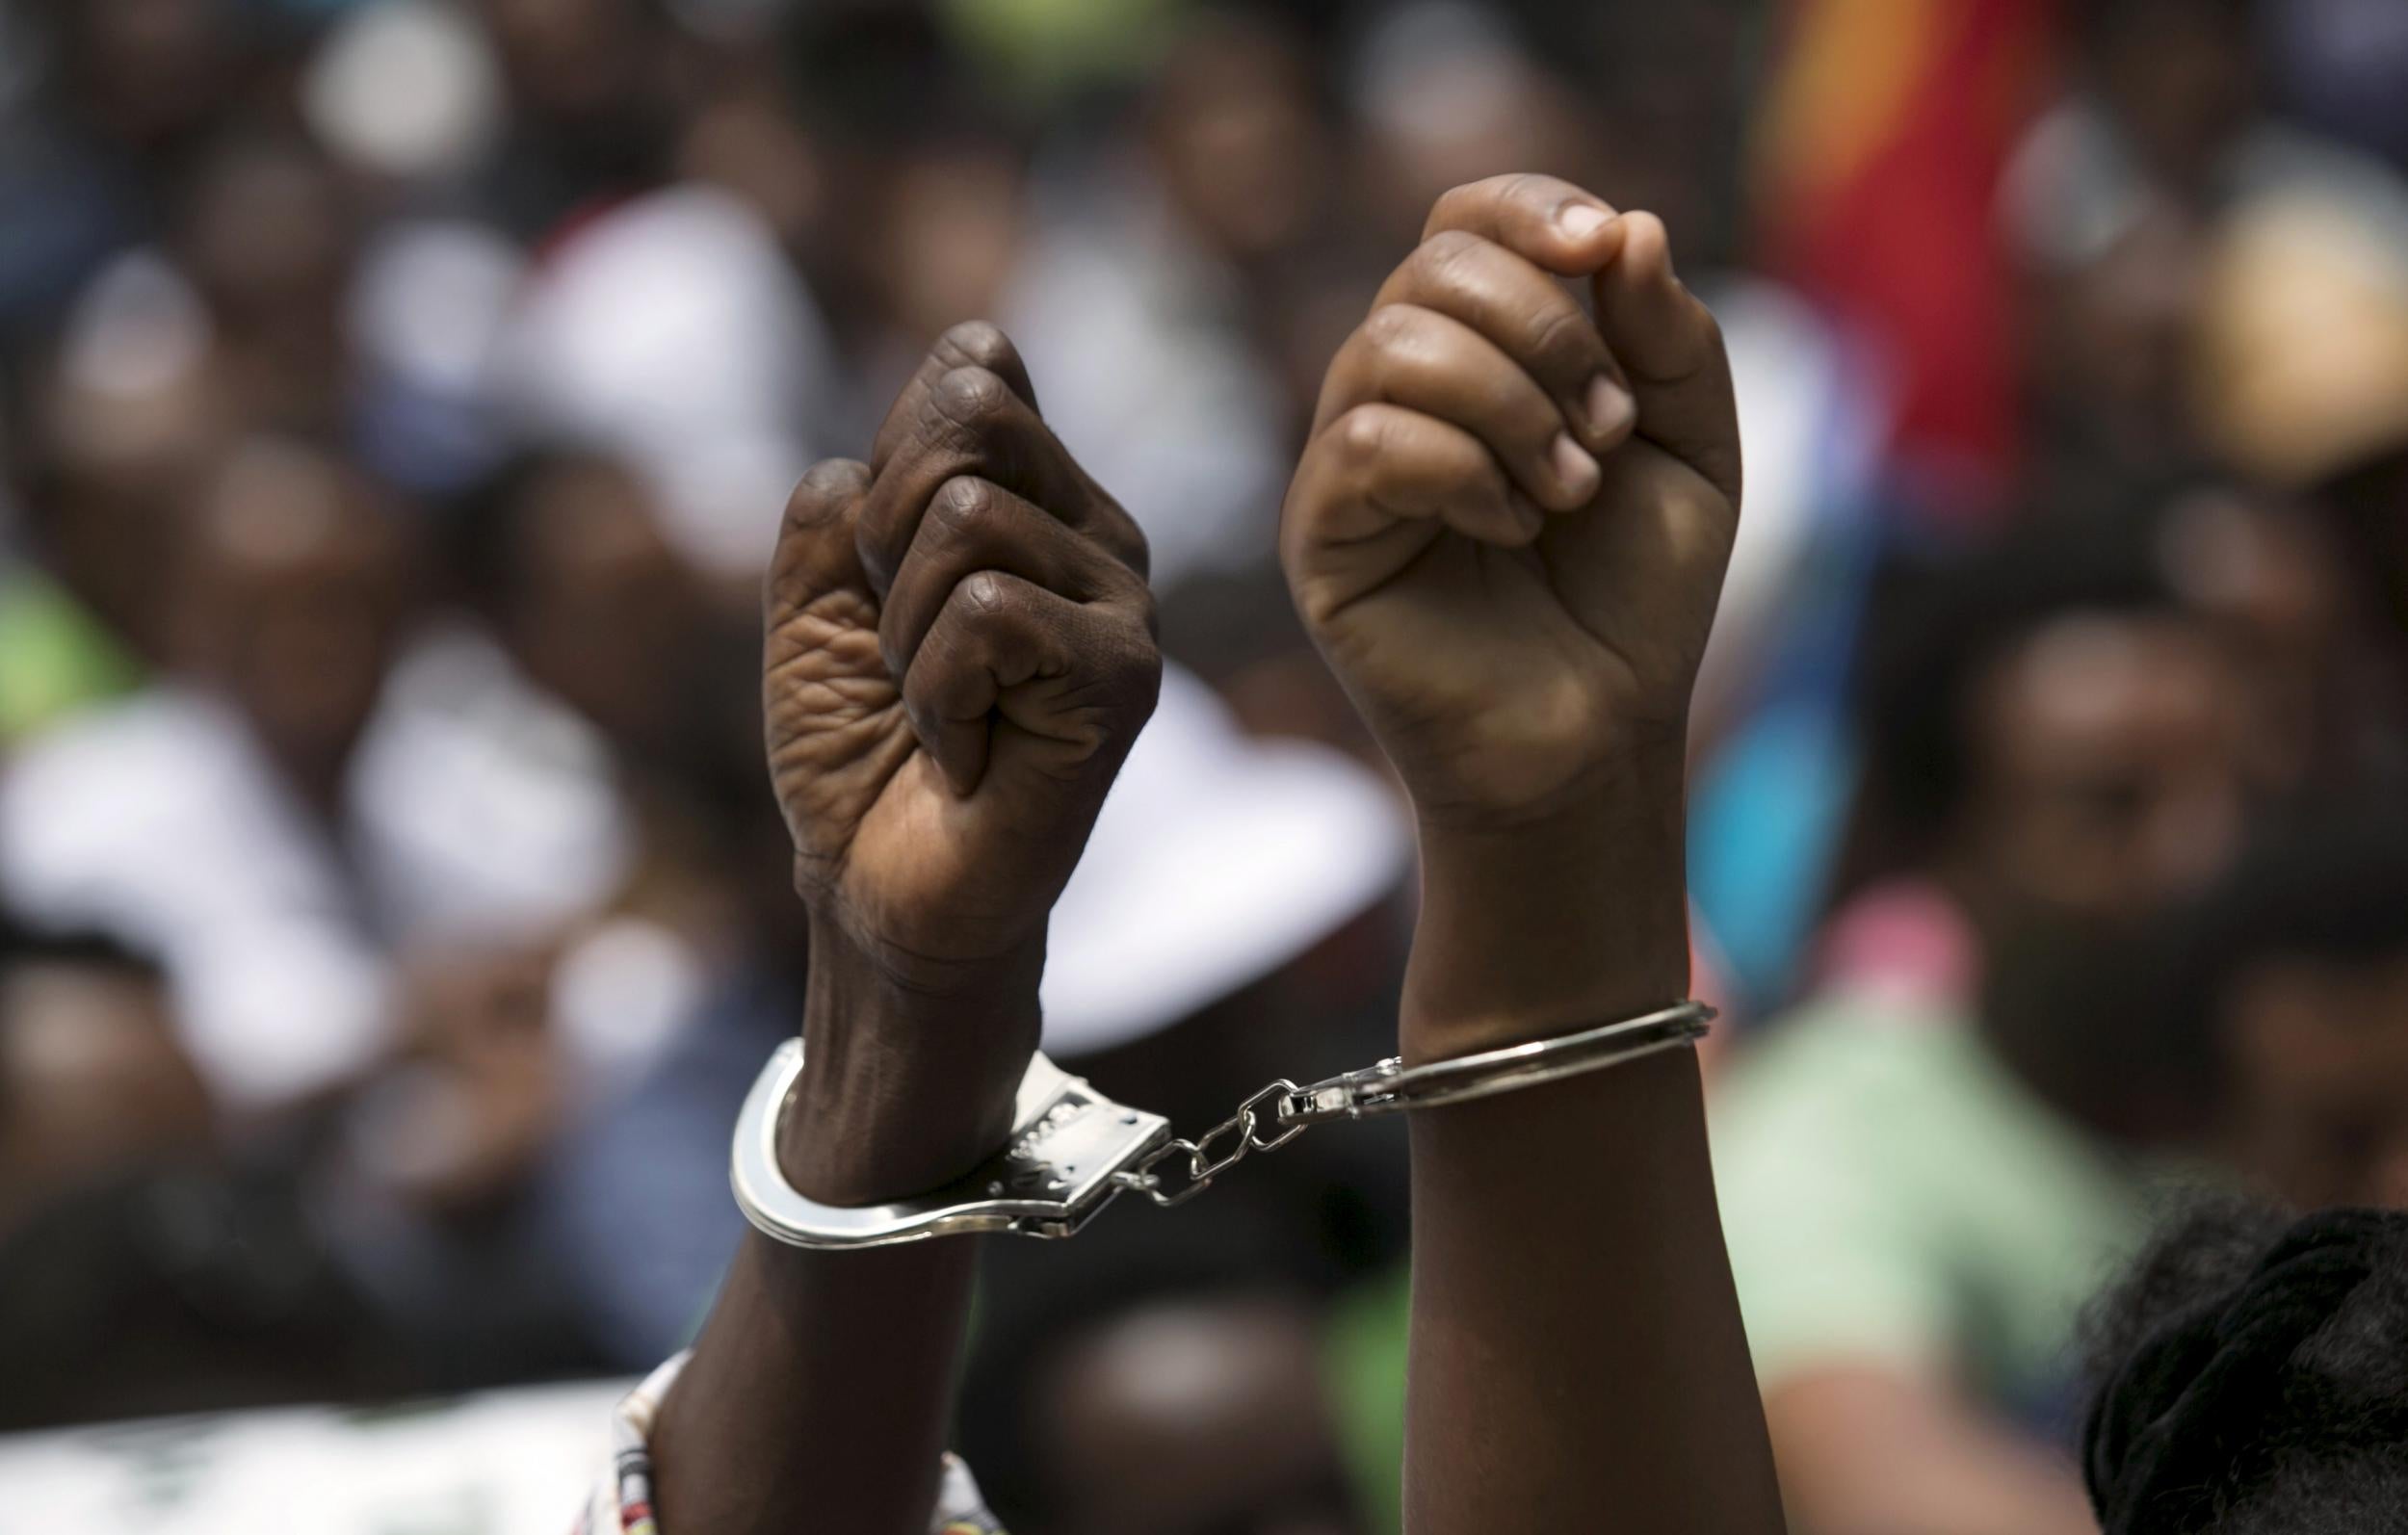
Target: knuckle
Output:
[(1451, 257), (983, 595), (963, 508), (1391, 329), (1126, 541), (1141, 676), (978, 344), (1362, 435), (1524, 187), (826, 484), (1123, 665), (969, 399)]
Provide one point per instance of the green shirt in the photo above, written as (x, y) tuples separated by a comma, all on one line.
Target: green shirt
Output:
[(1892, 1194), (53, 656)]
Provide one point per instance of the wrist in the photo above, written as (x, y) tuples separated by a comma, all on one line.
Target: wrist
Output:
[(1553, 923), (908, 1083)]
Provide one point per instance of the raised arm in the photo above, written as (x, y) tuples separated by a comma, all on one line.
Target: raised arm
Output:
[(1508, 535), (959, 653)]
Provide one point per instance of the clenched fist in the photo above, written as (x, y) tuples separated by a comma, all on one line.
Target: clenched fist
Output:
[(1509, 531), (1508, 536), (960, 650)]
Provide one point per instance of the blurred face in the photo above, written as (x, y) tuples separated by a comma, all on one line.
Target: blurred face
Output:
[(2271, 586), (1200, 1418), (292, 602), (2176, 73), (2115, 338), (147, 69), (568, 59), (2110, 772), (605, 614), (91, 1080), (270, 237), (2319, 1057), (1239, 143), (949, 234), (1453, 111)]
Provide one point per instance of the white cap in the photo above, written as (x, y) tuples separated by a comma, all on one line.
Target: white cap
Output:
[(1218, 858), (674, 330), (407, 88)]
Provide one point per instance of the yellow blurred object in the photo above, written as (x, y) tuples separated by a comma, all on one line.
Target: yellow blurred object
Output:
[(2303, 354), (1041, 47)]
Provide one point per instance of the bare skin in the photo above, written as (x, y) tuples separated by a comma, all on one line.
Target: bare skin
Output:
[(1874, 1449), (1508, 536), (1512, 567), (959, 653)]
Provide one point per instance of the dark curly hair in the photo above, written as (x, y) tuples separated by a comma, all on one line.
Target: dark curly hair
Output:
[(2251, 1377)]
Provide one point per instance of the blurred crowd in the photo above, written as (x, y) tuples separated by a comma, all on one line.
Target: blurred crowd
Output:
[(397, 402)]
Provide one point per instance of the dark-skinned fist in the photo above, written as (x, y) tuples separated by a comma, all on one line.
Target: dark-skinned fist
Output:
[(1508, 536), (1509, 531), (961, 651)]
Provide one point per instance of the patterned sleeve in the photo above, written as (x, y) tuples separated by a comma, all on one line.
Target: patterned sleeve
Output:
[(622, 1499)]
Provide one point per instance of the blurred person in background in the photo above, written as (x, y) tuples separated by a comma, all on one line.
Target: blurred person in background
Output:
[(298, 802), (2303, 379), (1190, 1418), (115, 95), (2287, 1009), (1925, 1169), (658, 1006), (1137, 289), (93, 1078), (1913, 1169), (358, 838), (267, 236), (2124, 202), (1914, 1204), (127, 1230), (2245, 1371), (593, 97), (2245, 1374)]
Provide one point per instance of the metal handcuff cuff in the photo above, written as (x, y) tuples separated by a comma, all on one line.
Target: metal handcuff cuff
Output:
[(1073, 1151)]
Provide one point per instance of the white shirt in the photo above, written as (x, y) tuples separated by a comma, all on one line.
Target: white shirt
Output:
[(473, 806)]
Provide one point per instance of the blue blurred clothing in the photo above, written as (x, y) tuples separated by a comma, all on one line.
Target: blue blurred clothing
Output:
[(66, 207), (636, 1201)]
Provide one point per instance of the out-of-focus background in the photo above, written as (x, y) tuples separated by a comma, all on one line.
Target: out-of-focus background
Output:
[(397, 399)]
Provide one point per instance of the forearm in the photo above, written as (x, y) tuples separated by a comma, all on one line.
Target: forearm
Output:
[(820, 1394), (1577, 1350), (1531, 930), (1874, 1450)]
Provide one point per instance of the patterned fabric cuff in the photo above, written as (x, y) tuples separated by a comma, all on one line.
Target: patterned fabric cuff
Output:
[(622, 1499)]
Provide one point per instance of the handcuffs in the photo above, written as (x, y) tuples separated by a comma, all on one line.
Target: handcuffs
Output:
[(1073, 1150)]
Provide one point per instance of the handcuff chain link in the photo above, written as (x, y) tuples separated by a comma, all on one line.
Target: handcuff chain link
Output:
[(1203, 1164)]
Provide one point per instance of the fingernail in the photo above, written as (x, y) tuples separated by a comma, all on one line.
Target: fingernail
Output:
[(1580, 220), (1573, 465), (1606, 406)]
